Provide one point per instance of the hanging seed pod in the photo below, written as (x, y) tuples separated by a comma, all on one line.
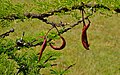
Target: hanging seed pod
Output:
[(43, 48), (84, 37), (61, 47), (84, 31)]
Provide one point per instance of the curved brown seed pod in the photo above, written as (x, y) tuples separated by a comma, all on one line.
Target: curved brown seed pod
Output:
[(61, 47), (84, 37), (43, 48)]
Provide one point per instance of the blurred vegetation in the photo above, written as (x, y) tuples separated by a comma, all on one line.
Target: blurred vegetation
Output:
[(102, 59)]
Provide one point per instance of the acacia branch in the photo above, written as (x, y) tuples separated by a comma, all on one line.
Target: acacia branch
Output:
[(63, 9), (75, 24), (6, 33)]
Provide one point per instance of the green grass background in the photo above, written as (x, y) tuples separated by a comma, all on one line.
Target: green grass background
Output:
[(103, 58)]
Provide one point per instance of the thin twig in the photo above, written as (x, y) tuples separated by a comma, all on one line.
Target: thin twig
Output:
[(47, 59), (68, 68), (65, 30)]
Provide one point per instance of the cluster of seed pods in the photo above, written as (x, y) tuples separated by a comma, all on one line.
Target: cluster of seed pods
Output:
[(44, 44), (83, 37)]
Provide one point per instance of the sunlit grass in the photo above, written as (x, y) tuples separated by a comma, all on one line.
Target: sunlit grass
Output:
[(104, 55), (103, 58)]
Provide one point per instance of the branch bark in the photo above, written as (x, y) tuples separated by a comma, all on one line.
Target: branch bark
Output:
[(50, 13)]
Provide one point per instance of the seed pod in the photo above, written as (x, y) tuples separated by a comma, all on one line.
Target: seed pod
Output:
[(84, 37), (61, 47), (43, 48)]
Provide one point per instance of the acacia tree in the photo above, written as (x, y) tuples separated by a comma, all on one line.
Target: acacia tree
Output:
[(9, 47)]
